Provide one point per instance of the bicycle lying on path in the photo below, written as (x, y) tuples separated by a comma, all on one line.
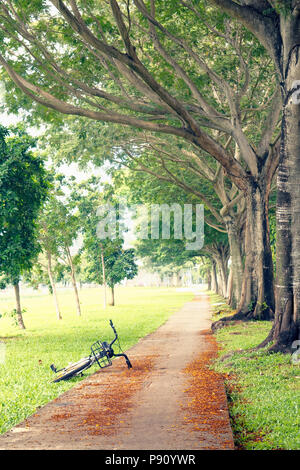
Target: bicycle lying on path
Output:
[(101, 353)]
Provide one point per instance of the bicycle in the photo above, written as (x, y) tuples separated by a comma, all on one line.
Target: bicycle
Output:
[(101, 353)]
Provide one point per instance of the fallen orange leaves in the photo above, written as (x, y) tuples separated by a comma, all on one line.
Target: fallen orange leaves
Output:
[(110, 400), (206, 405)]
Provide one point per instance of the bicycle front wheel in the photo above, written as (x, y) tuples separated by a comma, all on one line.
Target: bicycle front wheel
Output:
[(73, 369)]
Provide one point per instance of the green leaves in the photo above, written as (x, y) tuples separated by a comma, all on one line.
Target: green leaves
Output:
[(24, 187), (119, 263), (86, 198)]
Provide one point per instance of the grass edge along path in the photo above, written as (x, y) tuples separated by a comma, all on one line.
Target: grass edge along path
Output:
[(25, 373), (263, 389)]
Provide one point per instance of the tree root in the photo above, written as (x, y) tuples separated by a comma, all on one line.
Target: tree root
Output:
[(282, 345), (239, 317), (225, 321)]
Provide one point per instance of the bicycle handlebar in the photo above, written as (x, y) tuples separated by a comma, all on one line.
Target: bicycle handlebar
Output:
[(114, 330), (129, 365)]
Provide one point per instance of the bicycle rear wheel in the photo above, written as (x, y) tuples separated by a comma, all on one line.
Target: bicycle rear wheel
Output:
[(73, 369)]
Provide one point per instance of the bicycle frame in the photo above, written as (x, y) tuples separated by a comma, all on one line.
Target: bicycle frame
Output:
[(101, 352)]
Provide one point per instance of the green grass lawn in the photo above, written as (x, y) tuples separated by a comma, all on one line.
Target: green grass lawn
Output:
[(25, 374), (263, 389)]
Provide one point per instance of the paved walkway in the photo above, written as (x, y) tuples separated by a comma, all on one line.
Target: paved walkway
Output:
[(169, 400)]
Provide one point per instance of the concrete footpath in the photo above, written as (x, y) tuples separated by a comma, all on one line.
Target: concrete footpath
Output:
[(171, 399)]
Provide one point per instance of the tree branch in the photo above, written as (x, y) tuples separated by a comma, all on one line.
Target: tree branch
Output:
[(264, 27)]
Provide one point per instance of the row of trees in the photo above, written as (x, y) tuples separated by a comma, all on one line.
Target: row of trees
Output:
[(64, 210), (41, 248), (222, 116), (42, 217), (171, 254)]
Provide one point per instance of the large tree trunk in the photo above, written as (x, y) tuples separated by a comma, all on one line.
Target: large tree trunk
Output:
[(208, 279), (18, 306), (221, 256), (257, 299), (214, 283), (286, 327), (282, 39), (237, 268), (53, 286), (222, 269), (230, 296)]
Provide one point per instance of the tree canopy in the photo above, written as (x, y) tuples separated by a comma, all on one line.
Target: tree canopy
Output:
[(23, 188), (142, 64), (24, 185)]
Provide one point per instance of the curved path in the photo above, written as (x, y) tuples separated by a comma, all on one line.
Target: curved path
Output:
[(171, 399)]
